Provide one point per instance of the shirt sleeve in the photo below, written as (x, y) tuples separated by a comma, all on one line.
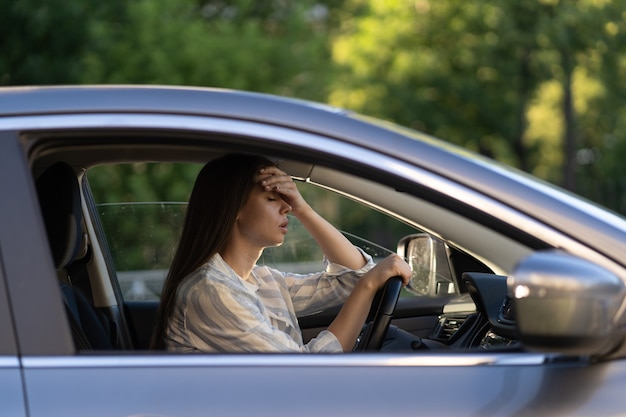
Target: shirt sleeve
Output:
[(221, 318), (316, 291)]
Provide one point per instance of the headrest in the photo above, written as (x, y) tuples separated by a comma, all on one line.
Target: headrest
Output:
[(59, 199)]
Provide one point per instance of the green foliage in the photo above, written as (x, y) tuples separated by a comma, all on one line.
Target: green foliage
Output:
[(139, 182), (534, 84), (41, 42), (537, 84), (601, 125), (142, 236), (262, 46), (463, 71)]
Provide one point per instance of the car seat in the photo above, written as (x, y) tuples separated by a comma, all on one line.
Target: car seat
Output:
[(59, 198)]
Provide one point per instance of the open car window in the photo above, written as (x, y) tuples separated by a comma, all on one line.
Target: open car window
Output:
[(141, 208)]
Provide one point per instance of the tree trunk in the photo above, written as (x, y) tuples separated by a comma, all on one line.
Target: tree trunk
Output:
[(523, 92), (569, 134)]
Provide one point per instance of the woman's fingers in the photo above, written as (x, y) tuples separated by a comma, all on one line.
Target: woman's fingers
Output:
[(274, 179), (402, 268), (393, 265), (271, 177)]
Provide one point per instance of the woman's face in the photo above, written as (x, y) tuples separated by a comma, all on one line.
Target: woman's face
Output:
[(262, 222)]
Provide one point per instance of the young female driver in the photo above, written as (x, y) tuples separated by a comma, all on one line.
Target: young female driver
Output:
[(216, 299)]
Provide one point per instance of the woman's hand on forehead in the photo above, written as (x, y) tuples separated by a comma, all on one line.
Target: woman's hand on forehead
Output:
[(274, 179)]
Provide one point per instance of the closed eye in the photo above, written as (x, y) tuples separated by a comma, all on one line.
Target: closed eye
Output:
[(273, 196)]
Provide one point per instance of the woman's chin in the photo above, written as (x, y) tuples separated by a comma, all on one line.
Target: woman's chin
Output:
[(276, 243)]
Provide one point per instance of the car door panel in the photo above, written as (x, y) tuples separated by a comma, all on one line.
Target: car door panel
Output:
[(11, 394), (287, 385)]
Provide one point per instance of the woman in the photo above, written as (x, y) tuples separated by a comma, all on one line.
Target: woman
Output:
[(216, 299)]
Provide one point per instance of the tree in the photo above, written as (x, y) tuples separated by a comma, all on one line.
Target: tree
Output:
[(275, 46), (463, 71), (601, 118), (538, 85), (41, 42)]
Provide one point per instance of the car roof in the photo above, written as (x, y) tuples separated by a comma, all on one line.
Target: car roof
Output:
[(42, 100), (583, 220)]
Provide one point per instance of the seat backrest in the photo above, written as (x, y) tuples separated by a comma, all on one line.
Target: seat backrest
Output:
[(59, 198)]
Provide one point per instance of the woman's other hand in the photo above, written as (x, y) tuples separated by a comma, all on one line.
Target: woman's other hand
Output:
[(393, 265)]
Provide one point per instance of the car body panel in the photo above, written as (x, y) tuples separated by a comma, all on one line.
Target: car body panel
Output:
[(217, 385), (27, 262), (12, 396), (8, 346)]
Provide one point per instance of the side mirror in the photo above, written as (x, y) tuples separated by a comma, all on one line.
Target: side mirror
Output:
[(428, 258), (566, 304)]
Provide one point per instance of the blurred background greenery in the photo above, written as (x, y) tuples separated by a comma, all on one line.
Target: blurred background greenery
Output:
[(537, 84)]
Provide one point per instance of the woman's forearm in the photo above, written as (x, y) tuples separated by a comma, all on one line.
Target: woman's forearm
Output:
[(349, 322), (334, 244)]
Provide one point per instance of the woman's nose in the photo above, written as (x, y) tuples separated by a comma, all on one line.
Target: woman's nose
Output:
[(286, 208)]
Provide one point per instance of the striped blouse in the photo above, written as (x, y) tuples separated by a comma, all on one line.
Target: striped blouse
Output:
[(217, 311)]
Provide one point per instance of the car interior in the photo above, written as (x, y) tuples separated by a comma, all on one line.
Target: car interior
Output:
[(475, 315)]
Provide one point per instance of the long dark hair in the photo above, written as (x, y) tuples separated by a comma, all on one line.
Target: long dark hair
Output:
[(221, 189)]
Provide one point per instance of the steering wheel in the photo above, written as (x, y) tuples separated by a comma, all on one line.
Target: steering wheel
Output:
[(382, 309)]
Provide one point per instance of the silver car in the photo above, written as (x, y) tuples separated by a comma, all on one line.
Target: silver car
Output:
[(516, 306)]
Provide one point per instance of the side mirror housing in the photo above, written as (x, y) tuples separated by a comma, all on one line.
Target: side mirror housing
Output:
[(566, 304), (428, 258)]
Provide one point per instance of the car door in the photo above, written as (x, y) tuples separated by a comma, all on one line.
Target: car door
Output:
[(123, 383), (59, 382)]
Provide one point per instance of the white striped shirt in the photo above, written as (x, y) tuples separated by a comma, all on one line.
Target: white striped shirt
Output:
[(217, 311)]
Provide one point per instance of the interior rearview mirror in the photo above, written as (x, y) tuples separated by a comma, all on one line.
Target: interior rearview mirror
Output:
[(428, 259)]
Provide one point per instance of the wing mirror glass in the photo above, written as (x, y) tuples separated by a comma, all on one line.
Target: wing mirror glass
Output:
[(428, 258), (566, 304)]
